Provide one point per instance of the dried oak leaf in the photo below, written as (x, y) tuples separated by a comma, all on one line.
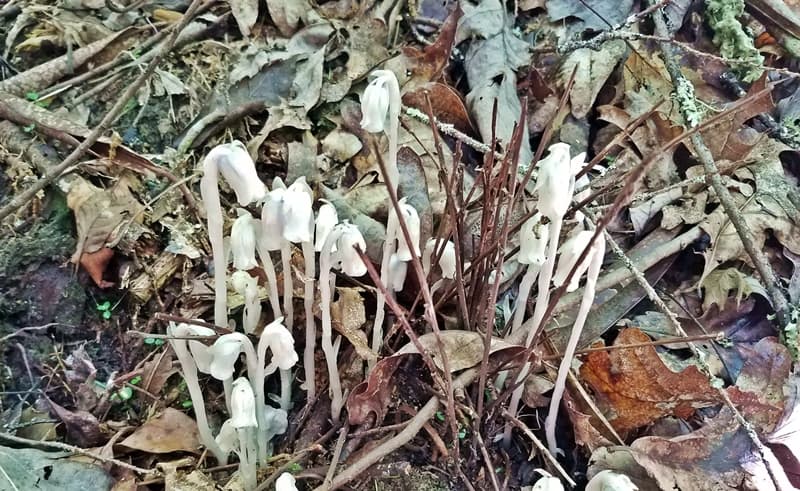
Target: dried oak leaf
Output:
[(634, 387), (170, 431), (347, 316)]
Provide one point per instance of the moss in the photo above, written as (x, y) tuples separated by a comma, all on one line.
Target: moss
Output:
[(731, 39)]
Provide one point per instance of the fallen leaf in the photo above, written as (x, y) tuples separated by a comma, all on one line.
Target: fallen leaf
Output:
[(634, 387), (29, 469), (246, 13), (83, 429), (348, 315), (592, 69), (595, 15), (170, 431), (719, 283), (785, 438)]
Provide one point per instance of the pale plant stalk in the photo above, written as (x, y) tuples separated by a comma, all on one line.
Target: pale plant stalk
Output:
[(542, 299), (209, 190), (377, 329), (247, 463), (326, 284), (288, 287), (566, 362), (286, 389), (272, 280), (311, 328)]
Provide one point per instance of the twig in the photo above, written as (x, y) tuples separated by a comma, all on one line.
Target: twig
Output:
[(540, 446), (25, 196), (77, 450), (451, 131), (296, 458)]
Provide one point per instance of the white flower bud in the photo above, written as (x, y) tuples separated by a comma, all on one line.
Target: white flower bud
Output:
[(448, 260), (286, 482), (350, 262), (610, 481), (397, 273), (272, 219), (244, 233), (327, 218), (376, 100), (555, 182), (225, 351), (243, 405), (247, 286), (547, 482), (281, 343), (298, 213), (239, 170), (227, 439), (200, 352), (533, 241), (411, 218), (570, 253)]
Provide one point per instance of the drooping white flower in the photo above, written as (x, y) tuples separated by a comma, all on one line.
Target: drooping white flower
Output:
[(247, 286), (533, 240), (225, 351), (411, 217), (397, 273), (547, 482), (327, 218), (239, 171), (286, 482), (348, 260), (570, 253), (272, 217), (555, 182), (243, 405), (200, 352), (376, 101), (298, 214), (448, 260), (244, 233), (610, 481), (227, 439), (281, 343)]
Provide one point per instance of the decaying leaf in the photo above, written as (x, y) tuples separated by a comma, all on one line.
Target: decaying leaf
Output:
[(347, 316), (246, 13), (170, 431), (634, 387), (592, 68), (720, 282), (28, 468), (597, 15)]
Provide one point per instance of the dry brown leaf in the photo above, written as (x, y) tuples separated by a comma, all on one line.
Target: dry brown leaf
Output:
[(634, 387), (347, 316), (170, 431)]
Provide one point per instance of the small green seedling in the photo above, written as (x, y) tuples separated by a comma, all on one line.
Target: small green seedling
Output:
[(154, 341), (104, 309)]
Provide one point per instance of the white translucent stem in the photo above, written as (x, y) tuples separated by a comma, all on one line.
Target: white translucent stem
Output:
[(286, 389), (522, 298), (227, 385), (288, 287), (542, 299), (198, 403), (272, 281), (311, 327), (247, 462), (326, 285), (563, 370), (209, 191), (377, 327)]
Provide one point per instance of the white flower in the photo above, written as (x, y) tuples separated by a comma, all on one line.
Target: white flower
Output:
[(281, 343), (350, 261), (397, 273), (200, 352), (227, 439), (610, 481), (547, 482), (225, 351), (533, 241), (239, 170), (570, 253), (247, 286), (411, 218), (327, 218), (555, 182), (376, 100), (272, 217), (298, 214), (448, 260), (286, 482), (244, 233), (243, 405)]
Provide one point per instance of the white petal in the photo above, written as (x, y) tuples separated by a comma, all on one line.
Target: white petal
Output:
[(411, 217), (351, 262), (555, 182), (448, 260), (397, 273), (281, 343), (227, 439), (327, 218), (243, 404), (547, 482), (375, 106), (286, 482), (610, 480), (226, 351), (243, 242), (570, 253), (239, 170), (298, 215), (533, 241), (272, 220)]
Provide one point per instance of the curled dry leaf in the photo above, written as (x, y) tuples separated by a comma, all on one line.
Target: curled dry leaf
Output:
[(348, 315), (634, 387)]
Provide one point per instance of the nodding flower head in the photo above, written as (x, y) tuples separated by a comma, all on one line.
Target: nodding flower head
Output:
[(298, 214), (349, 261), (610, 480), (555, 182), (272, 216), (244, 234), (238, 169), (533, 241), (398, 271), (570, 253), (377, 99), (286, 482), (225, 352), (327, 218), (281, 343), (447, 262), (547, 482), (243, 405), (411, 217)]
